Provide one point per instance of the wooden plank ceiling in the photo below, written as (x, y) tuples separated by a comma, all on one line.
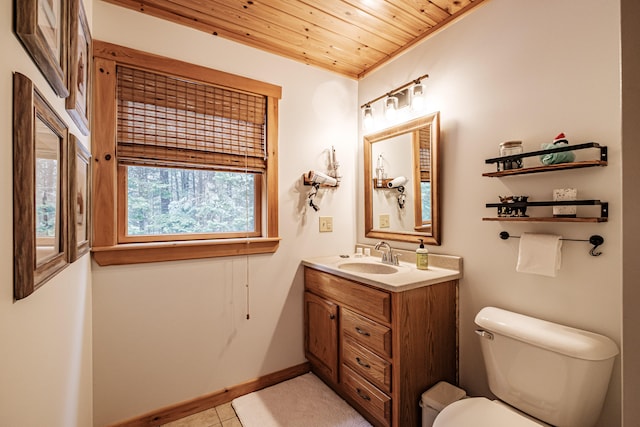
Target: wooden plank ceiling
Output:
[(350, 37)]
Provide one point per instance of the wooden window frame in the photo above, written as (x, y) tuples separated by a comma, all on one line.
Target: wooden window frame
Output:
[(108, 247)]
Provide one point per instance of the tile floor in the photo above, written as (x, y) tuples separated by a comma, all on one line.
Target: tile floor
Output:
[(220, 416)]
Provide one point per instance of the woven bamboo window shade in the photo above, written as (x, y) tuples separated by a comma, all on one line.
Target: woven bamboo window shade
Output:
[(424, 136), (169, 121)]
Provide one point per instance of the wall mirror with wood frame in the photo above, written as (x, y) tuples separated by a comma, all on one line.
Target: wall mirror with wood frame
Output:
[(39, 189), (410, 150)]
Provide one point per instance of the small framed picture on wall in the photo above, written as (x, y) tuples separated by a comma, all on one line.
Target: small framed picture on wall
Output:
[(79, 185), (79, 68)]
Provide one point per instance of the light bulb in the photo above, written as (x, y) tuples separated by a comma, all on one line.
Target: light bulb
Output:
[(391, 107), (367, 120), (417, 97)]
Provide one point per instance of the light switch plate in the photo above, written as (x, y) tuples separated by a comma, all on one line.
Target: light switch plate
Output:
[(326, 224), (384, 220)]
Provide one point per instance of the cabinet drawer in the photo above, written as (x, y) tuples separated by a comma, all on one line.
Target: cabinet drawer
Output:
[(367, 364), (374, 302), (365, 394), (372, 334)]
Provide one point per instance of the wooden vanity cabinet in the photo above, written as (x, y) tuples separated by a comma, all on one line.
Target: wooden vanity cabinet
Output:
[(381, 350)]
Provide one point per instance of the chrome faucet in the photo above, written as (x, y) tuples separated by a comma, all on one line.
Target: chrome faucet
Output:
[(388, 257)]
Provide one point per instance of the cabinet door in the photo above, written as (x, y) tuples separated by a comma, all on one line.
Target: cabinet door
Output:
[(321, 335)]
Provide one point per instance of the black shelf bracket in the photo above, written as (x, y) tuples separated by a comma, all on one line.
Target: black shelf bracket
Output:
[(604, 206), (515, 157)]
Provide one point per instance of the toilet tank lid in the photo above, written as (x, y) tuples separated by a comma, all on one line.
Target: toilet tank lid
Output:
[(551, 336)]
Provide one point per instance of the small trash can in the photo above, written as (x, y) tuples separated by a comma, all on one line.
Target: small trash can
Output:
[(436, 398)]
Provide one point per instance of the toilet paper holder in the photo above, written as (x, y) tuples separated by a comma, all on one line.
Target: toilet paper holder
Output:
[(596, 240)]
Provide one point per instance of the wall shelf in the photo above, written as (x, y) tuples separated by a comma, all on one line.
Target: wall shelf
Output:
[(519, 208), (546, 219), (604, 211), (602, 161)]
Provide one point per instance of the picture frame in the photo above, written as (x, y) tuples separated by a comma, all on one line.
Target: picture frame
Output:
[(40, 137), (79, 203), (41, 26), (79, 79)]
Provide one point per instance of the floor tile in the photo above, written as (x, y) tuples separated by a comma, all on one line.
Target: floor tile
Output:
[(232, 422), (208, 418), (226, 412)]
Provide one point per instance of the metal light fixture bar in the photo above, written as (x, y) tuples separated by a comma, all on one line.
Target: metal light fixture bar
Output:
[(398, 89)]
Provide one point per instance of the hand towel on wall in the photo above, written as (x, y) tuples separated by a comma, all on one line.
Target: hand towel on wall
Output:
[(539, 254)]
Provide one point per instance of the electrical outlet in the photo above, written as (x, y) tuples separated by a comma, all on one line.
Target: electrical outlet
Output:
[(384, 220), (326, 224)]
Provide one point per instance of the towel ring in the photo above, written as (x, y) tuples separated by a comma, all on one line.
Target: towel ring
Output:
[(596, 240)]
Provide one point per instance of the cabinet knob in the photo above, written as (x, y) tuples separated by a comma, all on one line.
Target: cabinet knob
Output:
[(332, 316)]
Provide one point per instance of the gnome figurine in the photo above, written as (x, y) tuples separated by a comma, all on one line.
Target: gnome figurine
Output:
[(558, 157)]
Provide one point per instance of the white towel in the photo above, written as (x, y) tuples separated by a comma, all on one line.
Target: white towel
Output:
[(539, 254)]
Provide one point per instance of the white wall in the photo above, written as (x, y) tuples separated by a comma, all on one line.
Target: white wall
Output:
[(517, 69), (169, 332), (45, 339)]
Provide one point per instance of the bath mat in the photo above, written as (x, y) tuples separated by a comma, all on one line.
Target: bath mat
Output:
[(299, 402)]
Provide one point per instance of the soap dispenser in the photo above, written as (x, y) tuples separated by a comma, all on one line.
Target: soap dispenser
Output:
[(422, 257)]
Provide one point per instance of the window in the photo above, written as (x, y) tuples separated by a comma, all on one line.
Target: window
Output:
[(185, 160)]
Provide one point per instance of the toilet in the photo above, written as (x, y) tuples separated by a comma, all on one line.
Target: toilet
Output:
[(542, 373)]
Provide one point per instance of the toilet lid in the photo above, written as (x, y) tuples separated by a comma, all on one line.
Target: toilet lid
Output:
[(481, 412)]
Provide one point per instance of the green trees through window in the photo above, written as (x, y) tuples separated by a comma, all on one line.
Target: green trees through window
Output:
[(189, 201)]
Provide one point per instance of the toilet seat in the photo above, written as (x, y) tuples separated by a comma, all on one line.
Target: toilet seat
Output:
[(481, 412)]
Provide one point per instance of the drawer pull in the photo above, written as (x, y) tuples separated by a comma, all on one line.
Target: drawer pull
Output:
[(362, 332), (363, 364), (362, 394)]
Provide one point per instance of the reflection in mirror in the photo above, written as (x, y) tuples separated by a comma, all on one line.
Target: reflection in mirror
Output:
[(408, 150), (422, 178), (47, 193)]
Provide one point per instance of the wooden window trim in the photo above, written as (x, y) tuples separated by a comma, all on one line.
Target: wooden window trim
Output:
[(106, 248)]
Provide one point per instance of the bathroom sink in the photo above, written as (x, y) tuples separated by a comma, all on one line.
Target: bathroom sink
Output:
[(372, 271), (368, 267)]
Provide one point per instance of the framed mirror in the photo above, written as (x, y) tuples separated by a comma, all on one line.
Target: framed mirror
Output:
[(406, 154), (39, 189)]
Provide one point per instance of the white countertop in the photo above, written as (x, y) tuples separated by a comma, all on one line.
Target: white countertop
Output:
[(407, 277)]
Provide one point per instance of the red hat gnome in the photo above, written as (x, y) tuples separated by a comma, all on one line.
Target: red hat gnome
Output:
[(557, 157), (560, 139)]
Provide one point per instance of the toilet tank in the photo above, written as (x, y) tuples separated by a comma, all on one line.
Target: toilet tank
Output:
[(552, 372)]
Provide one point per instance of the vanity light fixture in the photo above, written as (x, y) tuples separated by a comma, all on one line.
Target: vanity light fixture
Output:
[(411, 93)]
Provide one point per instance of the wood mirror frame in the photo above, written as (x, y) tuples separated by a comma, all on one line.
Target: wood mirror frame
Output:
[(39, 189), (419, 230)]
